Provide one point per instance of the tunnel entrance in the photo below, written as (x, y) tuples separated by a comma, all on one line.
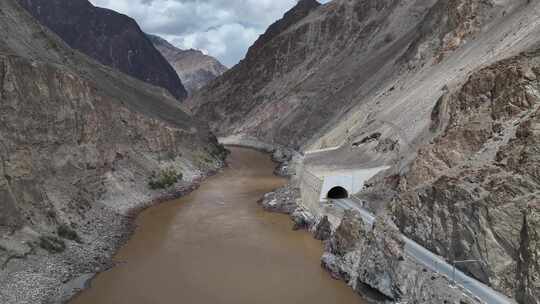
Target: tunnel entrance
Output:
[(337, 193)]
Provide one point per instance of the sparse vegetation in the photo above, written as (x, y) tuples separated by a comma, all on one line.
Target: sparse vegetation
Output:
[(203, 158), (66, 232), (52, 244), (164, 179)]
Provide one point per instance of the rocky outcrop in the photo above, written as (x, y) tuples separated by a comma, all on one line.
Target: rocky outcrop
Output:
[(194, 68), (79, 142), (323, 230), (472, 193), (109, 37), (373, 262), (527, 257), (282, 200), (286, 200)]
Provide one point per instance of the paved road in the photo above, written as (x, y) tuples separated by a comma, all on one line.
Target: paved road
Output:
[(434, 262)]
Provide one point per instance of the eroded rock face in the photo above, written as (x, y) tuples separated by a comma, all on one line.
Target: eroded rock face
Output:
[(282, 200), (447, 26), (109, 37), (473, 192), (78, 144), (349, 232), (373, 262), (528, 259), (194, 68), (427, 88), (286, 200), (315, 66), (323, 231)]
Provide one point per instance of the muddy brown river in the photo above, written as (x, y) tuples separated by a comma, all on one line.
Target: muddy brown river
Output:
[(218, 246)]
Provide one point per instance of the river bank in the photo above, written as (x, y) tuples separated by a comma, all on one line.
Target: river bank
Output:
[(31, 276), (218, 245), (120, 235)]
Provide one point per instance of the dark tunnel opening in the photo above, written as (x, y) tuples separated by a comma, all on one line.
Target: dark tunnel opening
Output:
[(338, 193)]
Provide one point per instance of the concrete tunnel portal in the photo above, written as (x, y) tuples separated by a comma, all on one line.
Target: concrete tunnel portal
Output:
[(337, 193), (343, 184)]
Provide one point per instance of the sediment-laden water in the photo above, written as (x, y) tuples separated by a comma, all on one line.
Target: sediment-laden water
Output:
[(217, 245)]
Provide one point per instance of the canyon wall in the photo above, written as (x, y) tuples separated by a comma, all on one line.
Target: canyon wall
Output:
[(111, 38), (444, 92), (79, 144), (473, 192)]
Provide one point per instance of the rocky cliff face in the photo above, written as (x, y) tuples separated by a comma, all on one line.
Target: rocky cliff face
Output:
[(463, 196), (310, 68), (242, 85), (374, 260), (194, 68), (109, 37), (307, 79), (473, 192), (445, 92), (79, 143)]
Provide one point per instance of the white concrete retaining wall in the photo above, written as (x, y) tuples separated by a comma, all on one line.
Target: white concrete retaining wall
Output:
[(353, 181), (314, 189), (310, 189)]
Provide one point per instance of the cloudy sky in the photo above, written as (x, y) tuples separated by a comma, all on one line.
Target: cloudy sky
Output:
[(222, 28)]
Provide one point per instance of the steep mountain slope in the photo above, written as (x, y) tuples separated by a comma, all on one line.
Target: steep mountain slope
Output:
[(310, 69), (233, 103), (444, 92), (473, 193), (194, 68), (79, 142), (109, 37)]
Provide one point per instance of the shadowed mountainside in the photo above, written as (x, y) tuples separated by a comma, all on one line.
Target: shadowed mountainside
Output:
[(79, 144), (109, 37)]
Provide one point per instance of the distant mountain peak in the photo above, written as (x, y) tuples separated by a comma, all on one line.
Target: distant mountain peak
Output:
[(157, 40), (307, 3), (291, 17), (194, 68)]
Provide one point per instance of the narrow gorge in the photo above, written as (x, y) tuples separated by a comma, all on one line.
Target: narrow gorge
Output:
[(444, 94), (217, 245), (405, 136), (79, 144)]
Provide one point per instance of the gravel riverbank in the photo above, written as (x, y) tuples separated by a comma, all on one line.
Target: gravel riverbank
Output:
[(33, 275)]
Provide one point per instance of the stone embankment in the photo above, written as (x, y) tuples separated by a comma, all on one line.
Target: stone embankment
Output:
[(371, 260)]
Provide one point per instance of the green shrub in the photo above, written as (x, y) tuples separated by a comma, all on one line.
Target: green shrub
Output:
[(52, 244), (164, 179), (203, 158), (65, 232)]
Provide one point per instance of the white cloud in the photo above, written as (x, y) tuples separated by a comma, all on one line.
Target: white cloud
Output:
[(222, 28), (228, 42)]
